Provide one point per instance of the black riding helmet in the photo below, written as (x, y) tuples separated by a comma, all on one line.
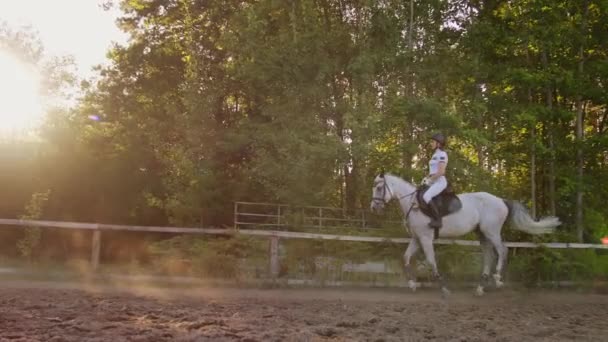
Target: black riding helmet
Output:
[(440, 138)]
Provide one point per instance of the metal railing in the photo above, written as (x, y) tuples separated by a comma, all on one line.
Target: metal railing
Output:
[(249, 215)]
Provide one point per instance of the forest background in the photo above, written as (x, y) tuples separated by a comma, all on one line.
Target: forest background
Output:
[(303, 102)]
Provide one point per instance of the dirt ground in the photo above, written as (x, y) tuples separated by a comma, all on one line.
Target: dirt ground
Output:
[(39, 311)]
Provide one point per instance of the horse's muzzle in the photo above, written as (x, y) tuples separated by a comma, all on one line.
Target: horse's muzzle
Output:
[(377, 206)]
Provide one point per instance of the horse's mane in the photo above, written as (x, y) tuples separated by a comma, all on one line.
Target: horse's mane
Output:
[(397, 178)]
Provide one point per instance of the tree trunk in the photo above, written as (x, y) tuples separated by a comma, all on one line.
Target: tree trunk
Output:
[(549, 101), (409, 91), (294, 21), (580, 132), (407, 156), (410, 50), (533, 150), (353, 189), (579, 163), (410, 31), (533, 164)]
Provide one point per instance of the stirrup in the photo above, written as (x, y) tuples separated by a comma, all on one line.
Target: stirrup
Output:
[(438, 222)]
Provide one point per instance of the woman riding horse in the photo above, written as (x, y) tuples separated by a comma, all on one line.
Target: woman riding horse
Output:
[(436, 179)]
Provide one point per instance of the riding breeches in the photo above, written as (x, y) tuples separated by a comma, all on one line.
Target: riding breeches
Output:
[(435, 189)]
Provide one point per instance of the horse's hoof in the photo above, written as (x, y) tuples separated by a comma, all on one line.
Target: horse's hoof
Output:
[(445, 293), (479, 291), (412, 285), (499, 284)]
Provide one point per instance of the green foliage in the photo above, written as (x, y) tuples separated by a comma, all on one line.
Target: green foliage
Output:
[(308, 100), (599, 222), (213, 257), (34, 210), (459, 263), (543, 264)]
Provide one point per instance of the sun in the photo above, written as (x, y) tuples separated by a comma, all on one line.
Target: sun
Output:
[(21, 109)]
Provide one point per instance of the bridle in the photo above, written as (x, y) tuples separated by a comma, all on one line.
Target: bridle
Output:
[(384, 189)]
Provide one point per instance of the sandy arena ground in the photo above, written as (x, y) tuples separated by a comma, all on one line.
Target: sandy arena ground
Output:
[(45, 311)]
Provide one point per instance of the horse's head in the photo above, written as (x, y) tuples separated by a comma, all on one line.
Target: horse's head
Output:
[(381, 193)]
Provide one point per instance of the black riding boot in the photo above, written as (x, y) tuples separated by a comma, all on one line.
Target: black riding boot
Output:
[(435, 218)]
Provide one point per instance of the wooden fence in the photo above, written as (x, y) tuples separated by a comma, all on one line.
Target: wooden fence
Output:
[(274, 237)]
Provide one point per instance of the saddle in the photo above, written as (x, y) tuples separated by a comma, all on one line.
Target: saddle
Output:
[(447, 202)]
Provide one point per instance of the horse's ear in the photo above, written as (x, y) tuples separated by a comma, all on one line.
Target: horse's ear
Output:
[(381, 173)]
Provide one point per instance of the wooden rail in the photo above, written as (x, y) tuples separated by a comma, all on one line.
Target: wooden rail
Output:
[(273, 235)]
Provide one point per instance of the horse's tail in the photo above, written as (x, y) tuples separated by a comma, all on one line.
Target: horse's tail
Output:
[(521, 220)]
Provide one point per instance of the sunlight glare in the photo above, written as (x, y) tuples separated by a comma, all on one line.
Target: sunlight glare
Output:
[(20, 101)]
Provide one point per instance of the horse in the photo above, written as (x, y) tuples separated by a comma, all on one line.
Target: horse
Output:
[(477, 211)]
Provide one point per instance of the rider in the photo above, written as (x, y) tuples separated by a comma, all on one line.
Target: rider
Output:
[(436, 178)]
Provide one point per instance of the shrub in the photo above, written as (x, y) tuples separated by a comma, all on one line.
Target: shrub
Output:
[(32, 235)]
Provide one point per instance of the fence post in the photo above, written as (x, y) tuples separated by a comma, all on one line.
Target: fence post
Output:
[(95, 249), (320, 218), (274, 257), (236, 214), (363, 219)]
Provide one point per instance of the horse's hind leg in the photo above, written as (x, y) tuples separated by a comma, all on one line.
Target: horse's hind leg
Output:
[(502, 252), (487, 251), (411, 250), (490, 226)]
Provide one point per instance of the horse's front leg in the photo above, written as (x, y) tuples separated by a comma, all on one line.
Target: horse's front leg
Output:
[(410, 274), (429, 252)]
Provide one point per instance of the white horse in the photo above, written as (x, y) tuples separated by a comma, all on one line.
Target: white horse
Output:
[(480, 211)]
